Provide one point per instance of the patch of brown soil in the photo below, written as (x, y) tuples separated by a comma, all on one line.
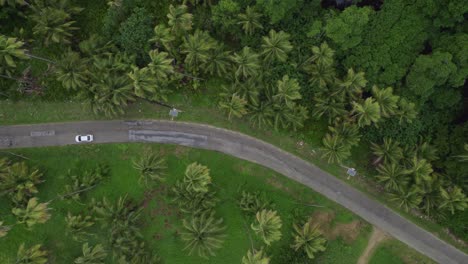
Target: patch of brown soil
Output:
[(323, 219), (376, 238)]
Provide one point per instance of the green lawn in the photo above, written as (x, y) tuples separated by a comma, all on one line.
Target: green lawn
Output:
[(201, 107), (230, 176), (395, 252)]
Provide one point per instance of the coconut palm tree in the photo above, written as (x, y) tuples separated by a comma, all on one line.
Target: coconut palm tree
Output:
[(255, 257), (250, 20), (430, 192), (420, 169), (392, 176), (322, 55), (197, 48), (252, 202), (144, 83), (308, 239), (267, 226), (329, 107), (192, 202), (11, 49), (247, 63), (163, 37), (53, 25), (276, 46), (92, 255), (334, 149), (407, 198), (234, 105), (389, 151), (387, 100), (426, 151), (4, 229), (261, 115), (406, 111), (321, 74), (33, 213), (151, 167), (288, 91), (203, 234), (20, 182), (348, 132), (453, 199), (161, 64), (72, 71), (179, 20), (32, 255), (217, 62), (77, 225), (367, 113), (12, 3), (197, 177), (352, 84)]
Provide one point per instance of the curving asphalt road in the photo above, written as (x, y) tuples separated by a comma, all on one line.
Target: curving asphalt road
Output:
[(244, 147)]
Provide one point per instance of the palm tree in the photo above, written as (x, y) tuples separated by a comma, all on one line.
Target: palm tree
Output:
[(427, 151), (321, 74), (179, 20), (261, 115), (4, 229), (192, 202), (53, 25), (34, 213), (72, 71), (420, 169), (430, 192), (151, 167), (389, 151), (20, 182), (348, 132), (77, 225), (217, 62), (250, 21), (276, 46), (407, 111), (203, 234), (161, 64), (234, 105), (92, 255), (392, 176), (322, 55), (352, 84), (12, 3), (329, 107), (407, 198), (197, 177), (387, 100), (309, 239), (255, 257), (334, 149), (267, 225), (453, 199), (367, 112), (252, 202), (10, 49), (163, 37), (32, 255), (197, 46), (144, 83), (247, 63), (288, 91)]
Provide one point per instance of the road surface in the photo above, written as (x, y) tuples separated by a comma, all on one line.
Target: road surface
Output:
[(244, 147)]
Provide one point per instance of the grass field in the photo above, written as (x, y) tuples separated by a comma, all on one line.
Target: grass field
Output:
[(395, 252), (230, 175)]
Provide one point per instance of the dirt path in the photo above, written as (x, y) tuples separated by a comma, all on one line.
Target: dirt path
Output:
[(377, 236)]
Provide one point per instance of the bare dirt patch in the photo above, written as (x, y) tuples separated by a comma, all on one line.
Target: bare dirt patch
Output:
[(349, 231), (376, 238)]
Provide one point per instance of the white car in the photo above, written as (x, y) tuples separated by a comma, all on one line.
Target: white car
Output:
[(84, 138)]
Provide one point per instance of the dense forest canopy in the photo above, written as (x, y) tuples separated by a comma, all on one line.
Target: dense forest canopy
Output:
[(390, 74)]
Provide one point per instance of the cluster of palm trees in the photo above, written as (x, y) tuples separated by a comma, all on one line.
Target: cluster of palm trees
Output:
[(267, 226), (407, 173)]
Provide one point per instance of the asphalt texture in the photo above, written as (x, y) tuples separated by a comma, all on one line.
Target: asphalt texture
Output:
[(243, 147)]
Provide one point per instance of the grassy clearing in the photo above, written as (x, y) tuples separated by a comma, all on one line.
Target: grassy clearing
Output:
[(201, 107), (395, 252), (161, 223)]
